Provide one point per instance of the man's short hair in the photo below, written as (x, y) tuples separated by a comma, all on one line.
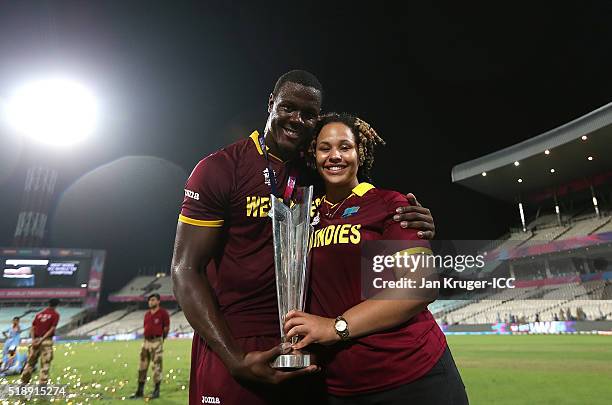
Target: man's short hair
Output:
[(53, 302), (300, 77), (156, 295), (16, 318)]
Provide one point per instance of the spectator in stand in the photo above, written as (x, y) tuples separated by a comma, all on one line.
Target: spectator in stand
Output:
[(42, 331), (12, 334), (156, 327)]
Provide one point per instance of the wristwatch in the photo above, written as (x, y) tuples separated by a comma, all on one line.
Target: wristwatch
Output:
[(341, 327)]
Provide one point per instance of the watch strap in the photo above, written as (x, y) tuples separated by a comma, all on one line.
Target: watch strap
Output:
[(344, 335)]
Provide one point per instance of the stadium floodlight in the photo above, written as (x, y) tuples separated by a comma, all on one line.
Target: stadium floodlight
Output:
[(590, 158), (547, 152), (552, 170), (484, 174), (584, 137), (522, 213), (520, 180), (54, 111), (516, 163)]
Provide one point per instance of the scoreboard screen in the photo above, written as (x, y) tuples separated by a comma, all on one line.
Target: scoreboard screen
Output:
[(43, 273)]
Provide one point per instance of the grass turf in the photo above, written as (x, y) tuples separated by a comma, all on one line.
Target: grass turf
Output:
[(567, 369)]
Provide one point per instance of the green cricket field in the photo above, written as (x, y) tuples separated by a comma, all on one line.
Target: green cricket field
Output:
[(525, 369)]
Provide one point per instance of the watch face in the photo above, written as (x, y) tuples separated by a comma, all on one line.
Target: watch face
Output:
[(341, 326)]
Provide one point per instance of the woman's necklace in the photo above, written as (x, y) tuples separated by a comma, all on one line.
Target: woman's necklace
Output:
[(338, 205)]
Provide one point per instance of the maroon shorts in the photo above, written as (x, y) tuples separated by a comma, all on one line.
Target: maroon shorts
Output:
[(211, 383)]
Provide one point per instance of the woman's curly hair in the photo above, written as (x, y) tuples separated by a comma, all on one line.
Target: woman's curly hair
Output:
[(365, 138)]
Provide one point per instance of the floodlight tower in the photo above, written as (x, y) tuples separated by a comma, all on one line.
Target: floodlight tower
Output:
[(57, 112)]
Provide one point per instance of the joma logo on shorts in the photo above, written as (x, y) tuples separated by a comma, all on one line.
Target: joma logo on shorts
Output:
[(210, 400)]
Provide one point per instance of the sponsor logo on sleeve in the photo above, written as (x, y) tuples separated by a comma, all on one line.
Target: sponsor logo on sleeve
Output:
[(192, 194)]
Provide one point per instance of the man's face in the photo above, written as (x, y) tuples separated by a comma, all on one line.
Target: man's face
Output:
[(153, 302), (15, 322), (293, 116)]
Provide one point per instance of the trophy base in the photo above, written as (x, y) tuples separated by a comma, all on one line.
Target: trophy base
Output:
[(291, 361)]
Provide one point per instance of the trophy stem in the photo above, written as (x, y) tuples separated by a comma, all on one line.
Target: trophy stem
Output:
[(291, 230)]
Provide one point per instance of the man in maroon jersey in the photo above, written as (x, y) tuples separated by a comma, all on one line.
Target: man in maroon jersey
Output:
[(42, 331), (223, 264), (156, 327)]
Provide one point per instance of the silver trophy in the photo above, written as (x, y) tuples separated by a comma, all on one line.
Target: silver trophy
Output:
[(291, 229)]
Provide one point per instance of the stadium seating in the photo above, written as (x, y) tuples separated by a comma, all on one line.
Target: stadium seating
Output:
[(124, 321), (98, 323), (546, 235), (487, 308), (515, 239), (525, 303), (585, 226), (136, 287), (605, 228), (128, 323), (544, 221), (142, 286), (165, 286), (441, 306), (178, 323), (27, 313)]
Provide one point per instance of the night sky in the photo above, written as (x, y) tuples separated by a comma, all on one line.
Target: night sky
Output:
[(442, 83)]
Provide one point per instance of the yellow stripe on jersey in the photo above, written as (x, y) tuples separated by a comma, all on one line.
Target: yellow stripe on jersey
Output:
[(416, 250), (199, 222), (362, 188), (255, 137), (359, 191)]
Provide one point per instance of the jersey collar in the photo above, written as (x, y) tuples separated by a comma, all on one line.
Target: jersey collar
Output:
[(359, 190), (255, 138), (362, 188)]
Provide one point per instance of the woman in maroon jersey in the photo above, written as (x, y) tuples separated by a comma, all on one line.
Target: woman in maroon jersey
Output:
[(374, 351)]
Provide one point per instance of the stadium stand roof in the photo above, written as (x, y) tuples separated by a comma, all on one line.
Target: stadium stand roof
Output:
[(568, 156)]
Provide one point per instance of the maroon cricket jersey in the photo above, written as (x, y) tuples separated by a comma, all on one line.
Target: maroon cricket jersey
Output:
[(45, 320), (154, 323), (231, 189), (382, 360)]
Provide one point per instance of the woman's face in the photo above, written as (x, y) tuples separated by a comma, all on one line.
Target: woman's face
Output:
[(336, 155)]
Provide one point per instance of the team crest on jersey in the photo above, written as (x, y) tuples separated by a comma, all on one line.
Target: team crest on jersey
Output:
[(350, 211)]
